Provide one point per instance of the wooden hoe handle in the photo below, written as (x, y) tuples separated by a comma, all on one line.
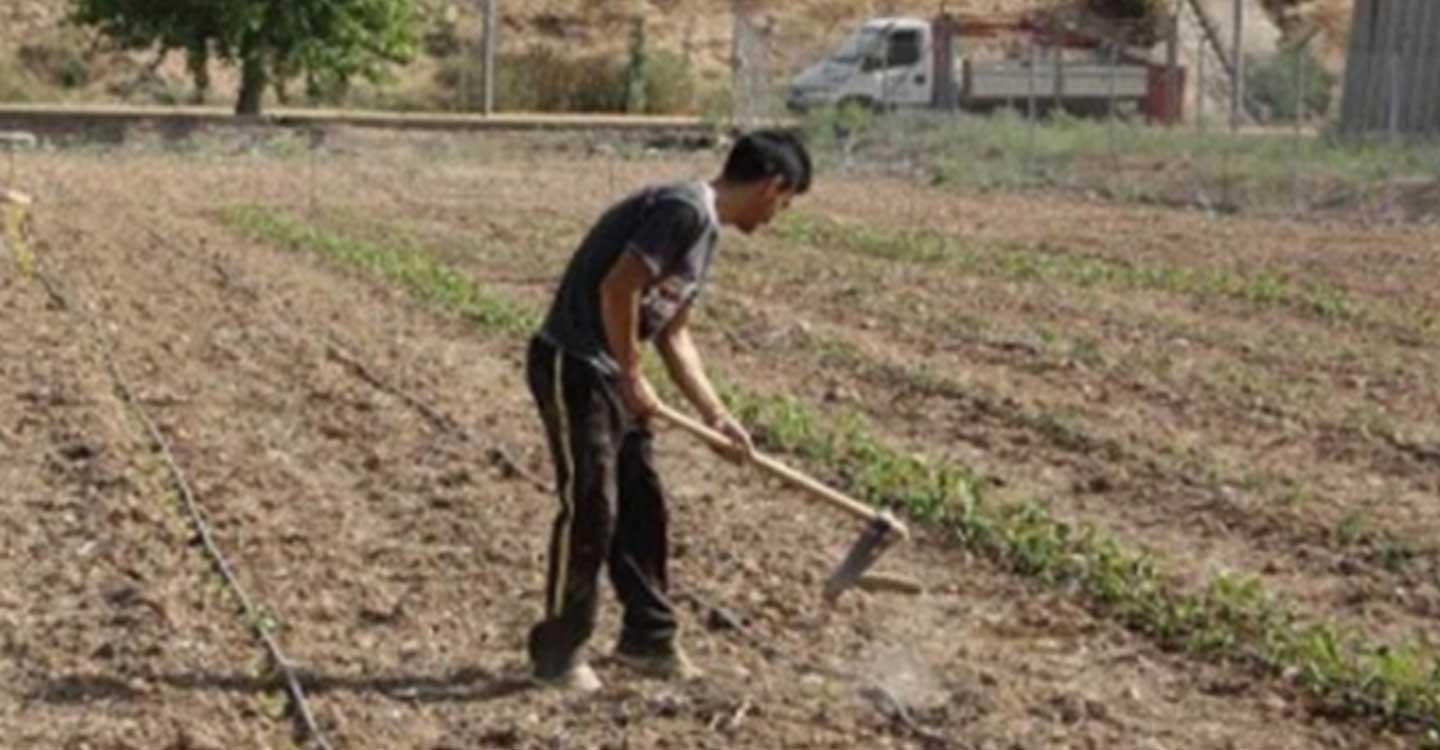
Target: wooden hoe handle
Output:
[(775, 468)]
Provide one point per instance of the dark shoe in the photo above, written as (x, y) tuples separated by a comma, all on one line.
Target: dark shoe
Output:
[(669, 663), (579, 679)]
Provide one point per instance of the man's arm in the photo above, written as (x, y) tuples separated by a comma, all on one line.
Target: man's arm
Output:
[(682, 360), (620, 293)]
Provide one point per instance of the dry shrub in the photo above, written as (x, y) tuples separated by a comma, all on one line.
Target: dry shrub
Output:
[(58, 61), (18, 86), (543, 79)]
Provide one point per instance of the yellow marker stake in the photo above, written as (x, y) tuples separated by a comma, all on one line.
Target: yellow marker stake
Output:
[(16, 211)]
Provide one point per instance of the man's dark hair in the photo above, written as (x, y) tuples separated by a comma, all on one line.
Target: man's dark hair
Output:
[(763, 154)]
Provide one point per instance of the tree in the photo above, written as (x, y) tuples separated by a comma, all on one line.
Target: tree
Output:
[(328, 42)]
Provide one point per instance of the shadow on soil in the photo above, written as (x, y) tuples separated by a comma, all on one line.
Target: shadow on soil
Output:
[(464, 685)]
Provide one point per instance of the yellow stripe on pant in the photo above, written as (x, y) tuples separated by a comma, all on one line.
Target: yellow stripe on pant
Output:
[(567, 500)]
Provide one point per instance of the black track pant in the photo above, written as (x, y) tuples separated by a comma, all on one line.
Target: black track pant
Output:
[(612, 510)]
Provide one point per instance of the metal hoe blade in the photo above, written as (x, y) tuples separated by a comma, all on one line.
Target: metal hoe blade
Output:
[(877, 537)]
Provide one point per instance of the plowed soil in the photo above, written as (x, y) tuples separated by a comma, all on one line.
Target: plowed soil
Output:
[(375, 473)]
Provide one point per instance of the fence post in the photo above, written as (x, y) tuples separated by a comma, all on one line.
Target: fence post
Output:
[(1172, 70), (1057, 84), (467, 52), (739, 65), (1112, 121), (491, 27), (1393, 115), (1300, 118), (1237, 90), (1032, 116), (1114, 72), (1200, 83)]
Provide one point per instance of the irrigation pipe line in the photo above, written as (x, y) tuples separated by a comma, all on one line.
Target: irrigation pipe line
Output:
[(252, 613), (498, 456), (886, 702), (197, 517)]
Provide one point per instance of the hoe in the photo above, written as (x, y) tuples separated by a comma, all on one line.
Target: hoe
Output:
[(881, 528)]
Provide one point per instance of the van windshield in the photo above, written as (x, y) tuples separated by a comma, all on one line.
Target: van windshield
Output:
[(864, 41)]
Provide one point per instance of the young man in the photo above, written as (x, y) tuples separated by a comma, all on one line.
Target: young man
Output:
[(634, 279)]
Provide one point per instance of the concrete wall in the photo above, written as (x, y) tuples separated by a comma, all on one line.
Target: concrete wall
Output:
[(1392, 71)]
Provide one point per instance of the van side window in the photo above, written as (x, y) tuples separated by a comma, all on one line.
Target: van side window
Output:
[(904, 49)]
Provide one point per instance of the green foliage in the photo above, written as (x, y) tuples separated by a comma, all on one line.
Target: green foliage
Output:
[(1263, 287), (670, 83), (324, 42), (843, 125), (636, 68), (1213, 169), (1232, 617), (1273, 83), (875, 470), (399, 260), (717, 108)]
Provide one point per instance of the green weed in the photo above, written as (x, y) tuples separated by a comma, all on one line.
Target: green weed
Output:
[(1127, 161), (398, 260), (1234, 617), (1263, 287)]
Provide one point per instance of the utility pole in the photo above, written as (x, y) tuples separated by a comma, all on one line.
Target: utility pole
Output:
[(738, 91), (488, 105), (1237, 88), (1200, 84), (1173, 102)]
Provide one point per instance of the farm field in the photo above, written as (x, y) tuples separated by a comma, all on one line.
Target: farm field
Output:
[(1174, 476)]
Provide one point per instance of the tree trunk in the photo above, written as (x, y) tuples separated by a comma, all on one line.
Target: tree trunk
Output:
[(197, 59), (253, 78)]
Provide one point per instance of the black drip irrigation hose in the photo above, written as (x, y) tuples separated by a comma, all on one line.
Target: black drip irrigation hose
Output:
[(197, 518), (252, 613)]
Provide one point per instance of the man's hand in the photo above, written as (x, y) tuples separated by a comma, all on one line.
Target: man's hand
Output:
[(741, 450), (639, 398)]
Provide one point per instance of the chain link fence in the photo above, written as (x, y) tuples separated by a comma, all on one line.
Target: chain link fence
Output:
[(1271, 146), (1282, 151)]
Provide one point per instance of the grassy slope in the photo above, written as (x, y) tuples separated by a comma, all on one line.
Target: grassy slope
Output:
[(701, 29)]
